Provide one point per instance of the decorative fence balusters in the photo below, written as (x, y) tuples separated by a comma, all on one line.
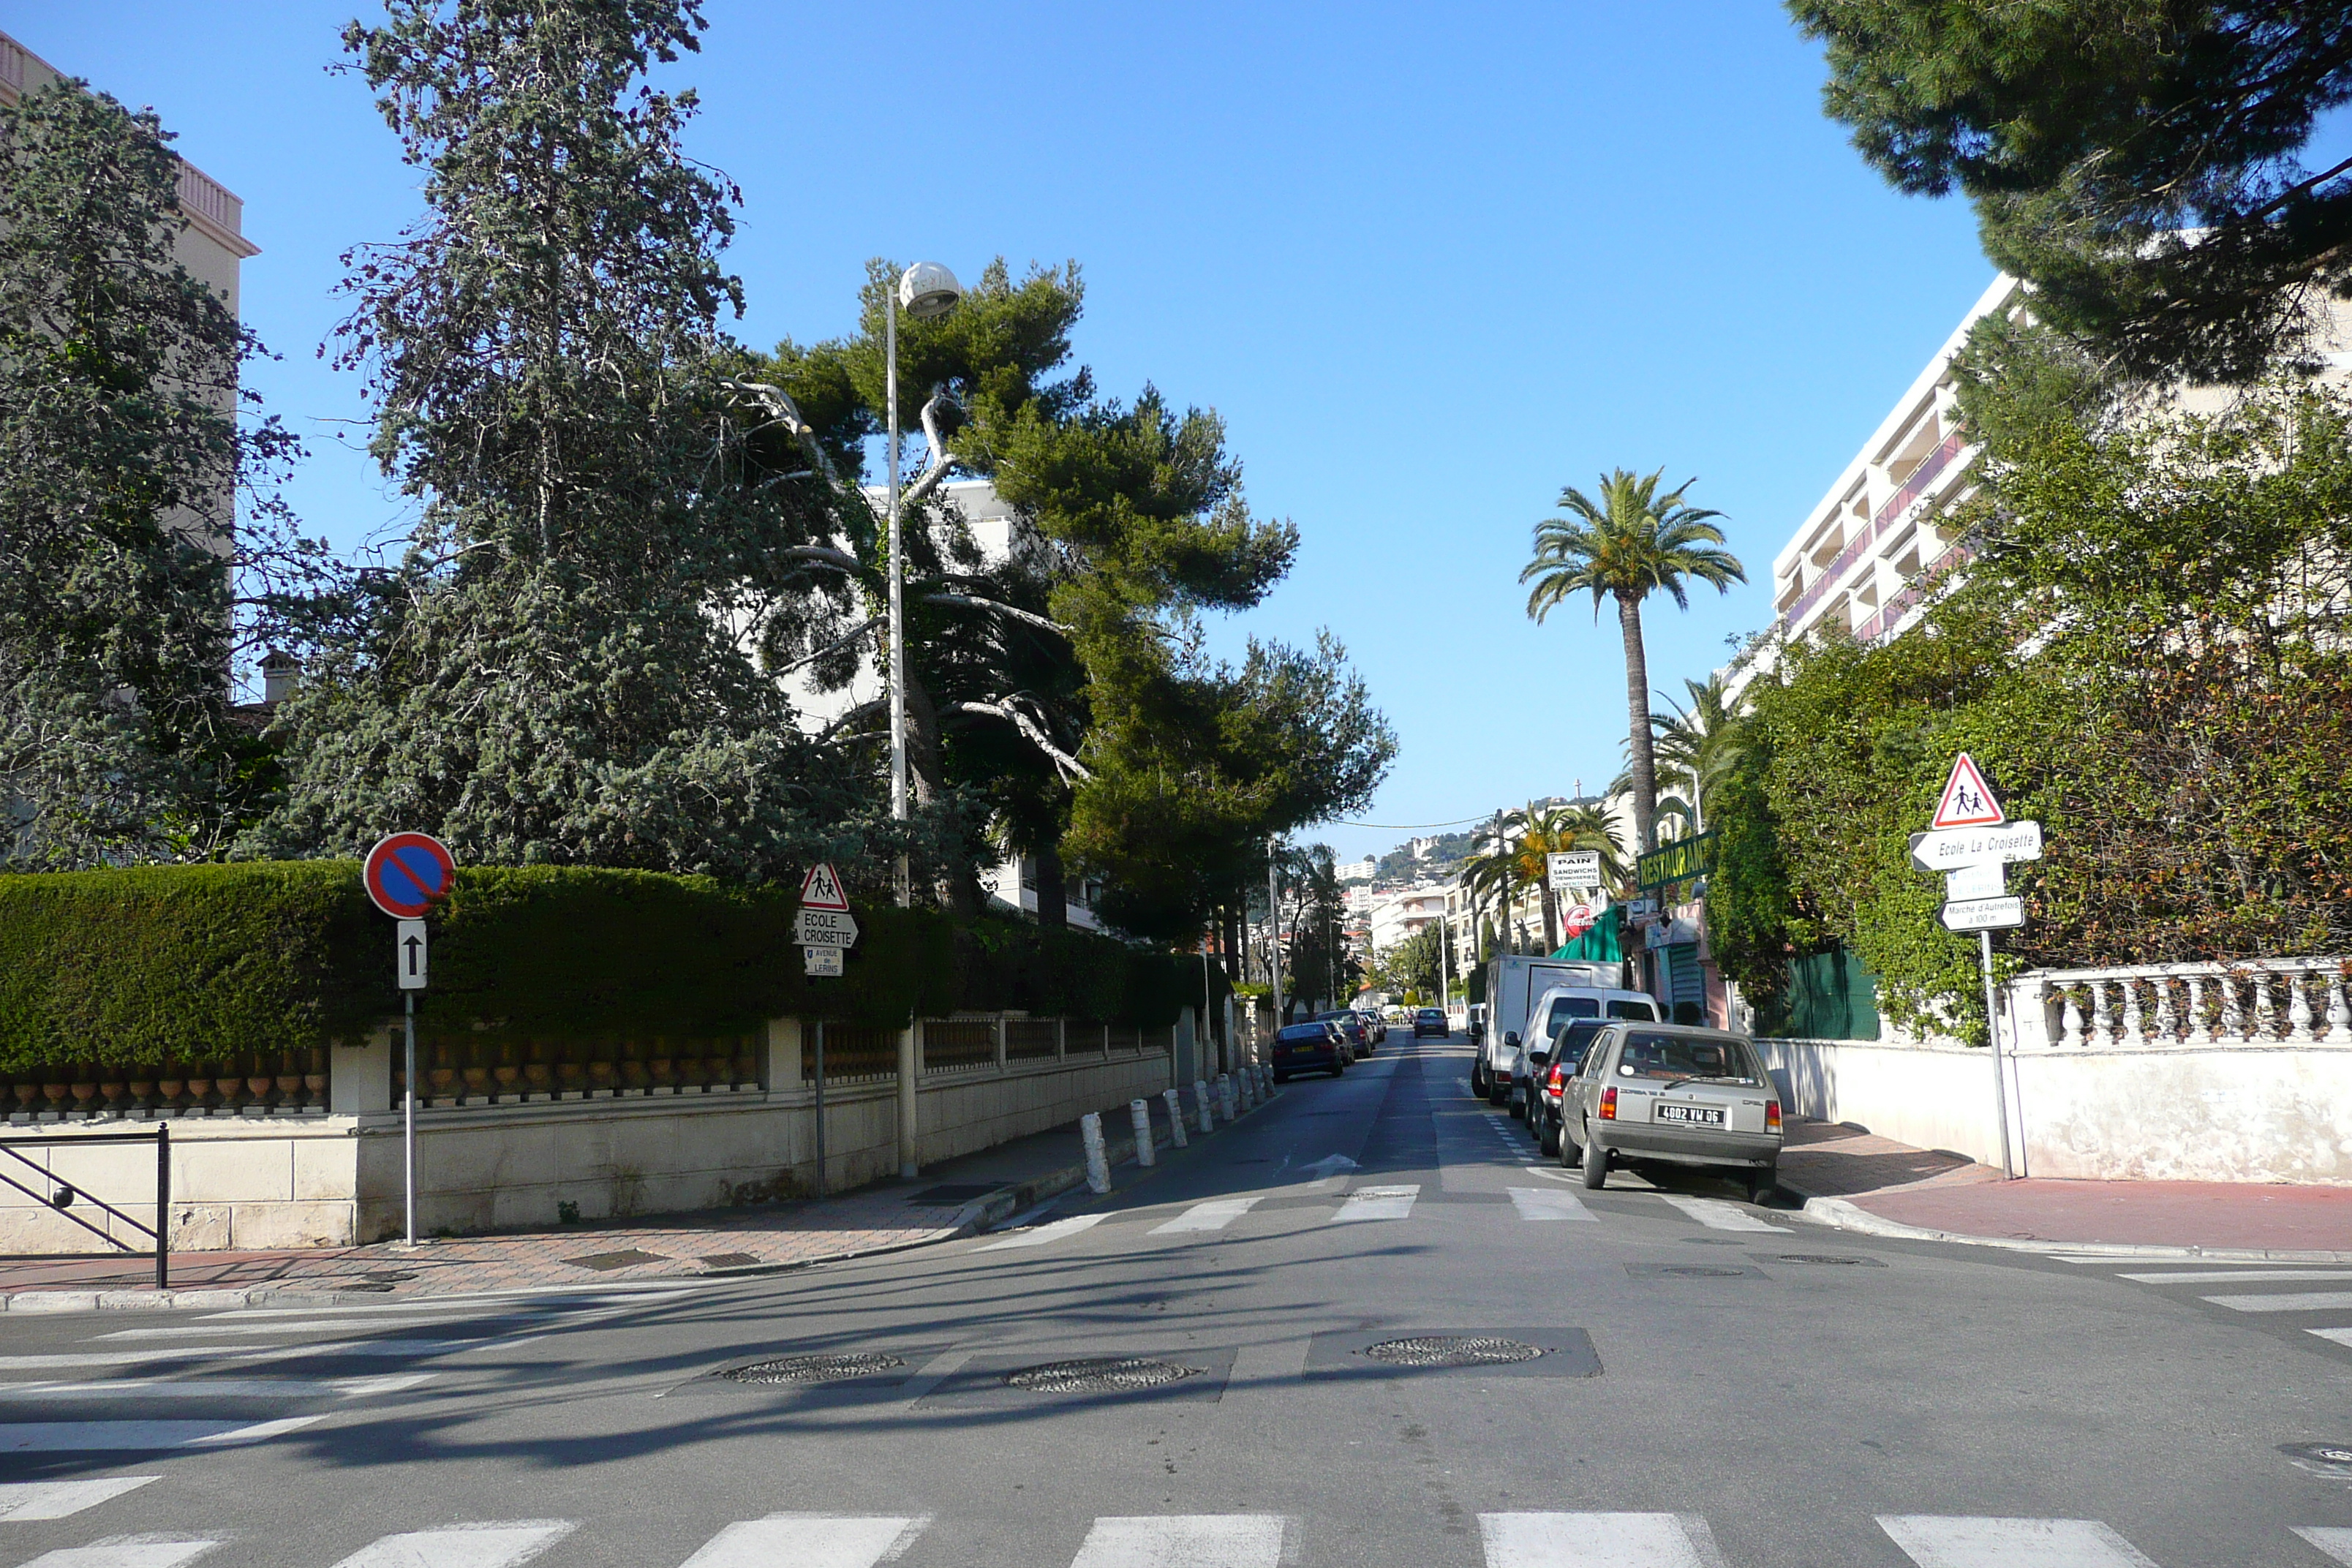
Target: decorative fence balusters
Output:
[(2071, 1017), (2275, 1001), (2132, 1035), (2265, 1014), (2102, 1031), (2199, 1035), (2166, 1025), (2234, 1021), (2339, 1013), (2298, 1009)]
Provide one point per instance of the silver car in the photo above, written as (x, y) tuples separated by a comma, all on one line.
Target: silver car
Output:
[(1674, 1094)]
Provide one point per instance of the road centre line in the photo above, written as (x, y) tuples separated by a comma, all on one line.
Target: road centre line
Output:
[(1051, 1231), (1538, 1205), (1378, 1203), (322, 1326)]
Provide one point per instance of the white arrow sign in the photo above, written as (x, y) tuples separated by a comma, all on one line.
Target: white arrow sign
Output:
[(1947, 850), (825, 928), (1984, 914), (408, 950)]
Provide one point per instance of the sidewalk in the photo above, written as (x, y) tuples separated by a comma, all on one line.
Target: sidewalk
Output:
[(1960, 1200), (951, 1199)]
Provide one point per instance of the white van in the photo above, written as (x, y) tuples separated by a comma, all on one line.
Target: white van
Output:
[(1549, 1013)]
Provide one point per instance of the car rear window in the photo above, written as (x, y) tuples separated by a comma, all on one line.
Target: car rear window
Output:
[(1714, 1059), (1574, 1039), (1646, 1012), (1431, 1014), (1563, 1008), (1309, 1032)]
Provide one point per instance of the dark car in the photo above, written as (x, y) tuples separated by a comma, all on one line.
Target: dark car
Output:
[(1352, 1027), (1309, 1048), (1554, 1066), (1430, 1021)]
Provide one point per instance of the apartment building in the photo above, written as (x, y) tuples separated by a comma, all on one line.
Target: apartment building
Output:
[(1399, 916), (214, 243)]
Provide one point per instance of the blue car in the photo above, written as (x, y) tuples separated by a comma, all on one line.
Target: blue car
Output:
[(1309, 1048)]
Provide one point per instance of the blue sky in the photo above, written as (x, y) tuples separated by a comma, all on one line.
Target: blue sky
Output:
[(1431, 263)]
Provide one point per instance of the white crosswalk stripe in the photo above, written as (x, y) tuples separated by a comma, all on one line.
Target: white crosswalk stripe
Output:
[(1215, 1215), (2332, 1539), (810, 1540), (487, 1327), (501, 1545), (1937, 1541), (2335, 1336), (125, 1553), (116, 1437), (1051, 1231), (1598, 1540), (62, 1499), (1379, 1203), (2217, 1276), (1183, 1541), (2287, 1301), (1716, 1214), (1540, 1203), (217, 1387)]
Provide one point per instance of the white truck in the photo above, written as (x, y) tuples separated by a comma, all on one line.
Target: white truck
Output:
[(1513, 982)]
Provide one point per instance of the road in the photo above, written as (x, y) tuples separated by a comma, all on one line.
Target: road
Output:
[(1720, 1384)]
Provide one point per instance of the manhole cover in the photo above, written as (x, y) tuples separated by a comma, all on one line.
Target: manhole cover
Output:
[(628, 1258), (1099, 1374), (808, 1369), (731, 1259), (1452, 1350), (2337, 1455), (1831, 1258)]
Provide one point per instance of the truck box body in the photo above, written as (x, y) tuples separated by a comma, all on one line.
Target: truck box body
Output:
[(1515, 980)]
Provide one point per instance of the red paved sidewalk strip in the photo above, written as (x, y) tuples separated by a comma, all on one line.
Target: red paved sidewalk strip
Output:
[(1944, 1191)]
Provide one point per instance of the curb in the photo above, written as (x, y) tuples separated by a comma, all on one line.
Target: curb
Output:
[(1840, 1214), (973, 1218)]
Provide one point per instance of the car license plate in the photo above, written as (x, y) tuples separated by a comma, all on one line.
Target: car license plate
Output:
[(1691, 1115)]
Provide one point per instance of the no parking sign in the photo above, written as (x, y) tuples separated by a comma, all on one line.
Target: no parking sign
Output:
[(408, 873)]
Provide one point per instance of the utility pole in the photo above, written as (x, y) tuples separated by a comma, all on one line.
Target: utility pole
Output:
[(1274, 929)]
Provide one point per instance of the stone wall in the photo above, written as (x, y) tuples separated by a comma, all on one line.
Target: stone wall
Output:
[(521, 1161)]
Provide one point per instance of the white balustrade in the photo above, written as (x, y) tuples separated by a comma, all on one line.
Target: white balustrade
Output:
[(2258, 1001)]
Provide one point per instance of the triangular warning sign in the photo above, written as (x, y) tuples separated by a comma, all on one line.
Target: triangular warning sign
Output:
[(820, 888), (1968, 800)]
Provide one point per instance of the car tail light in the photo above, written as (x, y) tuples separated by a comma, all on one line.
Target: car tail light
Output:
[(1771, 1116), (1558, 1075), (1609, 1103)]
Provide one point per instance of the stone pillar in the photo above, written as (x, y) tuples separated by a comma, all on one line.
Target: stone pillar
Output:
[(910, 1163), (358, 1076), (779, 1056)]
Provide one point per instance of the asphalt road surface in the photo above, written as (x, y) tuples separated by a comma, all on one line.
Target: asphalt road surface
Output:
[(1719, 1386)]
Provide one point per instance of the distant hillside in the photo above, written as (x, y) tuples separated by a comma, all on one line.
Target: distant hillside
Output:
[(1444, 849)]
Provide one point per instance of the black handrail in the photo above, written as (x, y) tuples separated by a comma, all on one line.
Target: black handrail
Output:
[(66, 1192)]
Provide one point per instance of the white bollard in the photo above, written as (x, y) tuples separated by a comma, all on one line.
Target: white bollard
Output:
[(1201, 1100), (1175, 1115), (1265, 1083), (1226, 1106), (1098, 1162), (1248, 1080), (1138, 1112)]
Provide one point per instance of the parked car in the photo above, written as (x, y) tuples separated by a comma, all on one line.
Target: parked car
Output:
[(1309, 1048), (1514, 984), (1429, 1021), (1478, 1026), (1554, 1065), (1352, 1026), (1551, 1010), (1378, 1026), (1675, 1094)]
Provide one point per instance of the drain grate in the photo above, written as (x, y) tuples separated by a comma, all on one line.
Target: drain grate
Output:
[(1452, 1350), (803, 1370), (1831, 1258), (1099, 1374)]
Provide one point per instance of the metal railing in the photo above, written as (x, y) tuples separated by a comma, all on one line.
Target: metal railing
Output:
[(1923, 474), (62, 1194)]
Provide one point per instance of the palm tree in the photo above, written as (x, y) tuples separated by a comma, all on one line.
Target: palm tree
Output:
[(1700, 745), (1631, 543), (1523, 860)]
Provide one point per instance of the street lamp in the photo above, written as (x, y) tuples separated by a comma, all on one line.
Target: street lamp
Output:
[(926, 289)]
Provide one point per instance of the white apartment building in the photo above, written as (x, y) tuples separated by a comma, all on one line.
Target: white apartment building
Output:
[(1357, 870), (1396, 916)]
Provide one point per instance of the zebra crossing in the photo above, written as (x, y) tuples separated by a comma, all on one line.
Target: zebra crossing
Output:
[(227, 1359), (796, 1540), (2265, 1291)]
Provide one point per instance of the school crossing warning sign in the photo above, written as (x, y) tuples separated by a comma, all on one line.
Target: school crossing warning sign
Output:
[(1968, 800), (820, 888)]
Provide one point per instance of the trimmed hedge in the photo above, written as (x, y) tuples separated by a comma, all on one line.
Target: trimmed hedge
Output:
[(176, 964)]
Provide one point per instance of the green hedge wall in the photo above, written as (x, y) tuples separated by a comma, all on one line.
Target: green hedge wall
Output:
[(157, 964)]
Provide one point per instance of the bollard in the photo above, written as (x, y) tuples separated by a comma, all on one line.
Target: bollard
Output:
[(1138, 1112), (1265, 1083), (1175, 1115), (1246, 1082), (1201, 1101), (1098, 1162), (1226, 1106)]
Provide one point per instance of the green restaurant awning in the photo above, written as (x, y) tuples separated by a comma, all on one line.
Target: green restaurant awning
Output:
[(1602, 944)]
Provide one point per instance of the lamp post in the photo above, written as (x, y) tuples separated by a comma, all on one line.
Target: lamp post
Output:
[(927, 290)]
